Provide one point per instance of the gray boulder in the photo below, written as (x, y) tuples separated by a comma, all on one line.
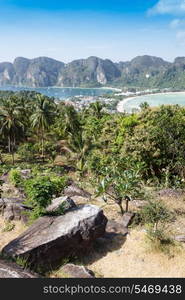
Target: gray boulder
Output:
[(13, 209), (65, 202), (116, 227), (180, 238), (26, 173), (74, 271), (12, 270), (73, 190), (51, 239)]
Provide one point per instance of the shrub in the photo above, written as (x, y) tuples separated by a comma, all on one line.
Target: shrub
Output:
[(51, 150), (59, 183), (39, 193), (15, 177), (157, 216), (27, 152), (155, 212), (160, 240), (120, 186)]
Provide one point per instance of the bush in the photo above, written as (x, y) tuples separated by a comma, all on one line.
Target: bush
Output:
[(155, 212), (59, 183), (39, 193), (157, 216), (159, 240), (15, 177), (27, 152)]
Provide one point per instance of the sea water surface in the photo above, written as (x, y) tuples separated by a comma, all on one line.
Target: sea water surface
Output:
[(62, 93), (133, 103)]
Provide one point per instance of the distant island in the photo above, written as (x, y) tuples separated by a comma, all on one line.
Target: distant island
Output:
[(141, 72)]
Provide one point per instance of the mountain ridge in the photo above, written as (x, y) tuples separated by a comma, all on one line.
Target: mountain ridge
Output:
[(141, 71)]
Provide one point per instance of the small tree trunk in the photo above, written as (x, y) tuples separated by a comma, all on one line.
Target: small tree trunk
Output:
[(1, 159), (127, 202), (155, 227), (9, 144), (42, 145), (13, 158), (13, 148), (121, 209)]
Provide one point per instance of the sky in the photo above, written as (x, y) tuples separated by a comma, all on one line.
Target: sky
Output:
[(116, 29)]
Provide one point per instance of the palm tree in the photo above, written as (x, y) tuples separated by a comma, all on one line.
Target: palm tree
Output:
[(96, 109), (11, 124), (42, 117), (71, 121), (78, 148)]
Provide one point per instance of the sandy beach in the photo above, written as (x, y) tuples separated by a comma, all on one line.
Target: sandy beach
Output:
[(120, 106)]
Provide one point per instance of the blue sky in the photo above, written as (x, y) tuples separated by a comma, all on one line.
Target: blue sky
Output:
[(115, 29)]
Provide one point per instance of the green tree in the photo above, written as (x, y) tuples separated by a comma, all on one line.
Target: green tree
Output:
[(11, 125), (120, 185), (42, 118)]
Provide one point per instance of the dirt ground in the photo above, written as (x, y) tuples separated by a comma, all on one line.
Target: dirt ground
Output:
[(134, 258), (130, 255), (7, 236)]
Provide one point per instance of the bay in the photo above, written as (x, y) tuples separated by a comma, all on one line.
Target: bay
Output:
[(61, 93), (133, 103)]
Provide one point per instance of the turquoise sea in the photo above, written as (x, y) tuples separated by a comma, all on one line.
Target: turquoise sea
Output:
[(62, 93), (132, 104)]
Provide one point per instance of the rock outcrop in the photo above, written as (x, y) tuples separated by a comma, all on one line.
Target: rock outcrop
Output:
[(13, 209), (65, 202), (180, 238), (116, 227), (171, 193), (73, 190), (51, 239), (12, 270), (141, 71)]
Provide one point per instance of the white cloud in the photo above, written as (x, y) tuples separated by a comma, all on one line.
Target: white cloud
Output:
[(175, 23), (172, 7), (180, 35)]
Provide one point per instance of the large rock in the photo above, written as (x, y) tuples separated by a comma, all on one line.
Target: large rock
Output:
[(51, 239), (65, 202), (12, 270), (73, 190), (116, 227), (13, 209), (74, 271)]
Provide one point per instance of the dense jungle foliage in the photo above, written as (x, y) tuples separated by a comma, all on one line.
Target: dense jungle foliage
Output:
[(117, 153), (33, 127)]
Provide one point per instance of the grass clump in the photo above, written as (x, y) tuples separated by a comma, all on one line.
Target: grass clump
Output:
[(156, 217), (15, 177), (8, 227)]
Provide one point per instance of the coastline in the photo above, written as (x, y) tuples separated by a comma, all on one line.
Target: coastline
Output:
[(62, 87), (85, 88), (120, 106)]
